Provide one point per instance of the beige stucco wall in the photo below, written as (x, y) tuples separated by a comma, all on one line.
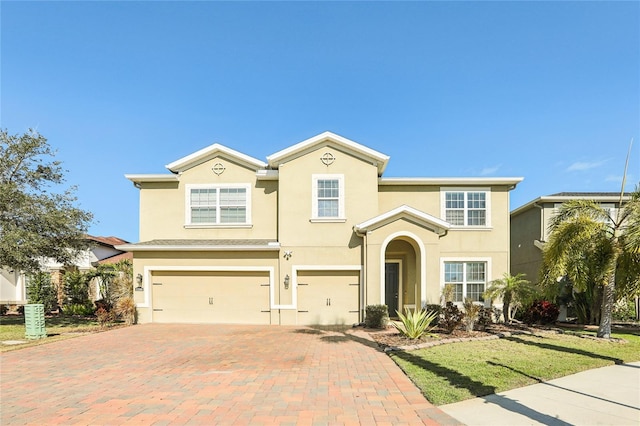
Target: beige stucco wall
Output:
[(163, 205), (318, 243)]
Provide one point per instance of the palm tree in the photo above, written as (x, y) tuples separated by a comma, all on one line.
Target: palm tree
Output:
[(511, 289), (588, 243)]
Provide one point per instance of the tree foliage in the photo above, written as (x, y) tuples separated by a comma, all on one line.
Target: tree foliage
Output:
[(36, 222), (591, 245)]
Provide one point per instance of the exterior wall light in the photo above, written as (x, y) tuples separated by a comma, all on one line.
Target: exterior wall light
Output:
[(139, 281), (286, 282)]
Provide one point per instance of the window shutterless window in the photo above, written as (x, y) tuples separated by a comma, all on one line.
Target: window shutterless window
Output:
[(327, 197), (468, 279), (218, 205), (466, 208)]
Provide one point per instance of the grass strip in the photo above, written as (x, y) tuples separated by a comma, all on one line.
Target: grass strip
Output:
[(455, 372)]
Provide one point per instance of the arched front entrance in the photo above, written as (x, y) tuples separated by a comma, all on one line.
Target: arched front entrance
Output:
[(403, 273)]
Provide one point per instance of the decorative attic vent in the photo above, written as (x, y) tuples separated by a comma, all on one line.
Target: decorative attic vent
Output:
[(218, 168), (327, 158)]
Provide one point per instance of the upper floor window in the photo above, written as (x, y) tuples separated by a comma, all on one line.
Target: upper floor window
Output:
[(466, 207), (468, 280), (218, 204), (328, 197)]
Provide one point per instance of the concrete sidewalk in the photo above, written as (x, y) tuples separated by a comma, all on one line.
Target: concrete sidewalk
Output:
[(604, 396)]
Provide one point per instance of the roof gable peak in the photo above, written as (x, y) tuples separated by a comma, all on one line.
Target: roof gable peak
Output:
[(210, 152), (379, 159)]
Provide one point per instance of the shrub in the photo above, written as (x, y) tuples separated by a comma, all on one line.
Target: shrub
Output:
[(126, 310), (105, 317), (41, 290), (78, 309), (541, 312), (3, 309), (451, 317), (76, 287), (485, 317), (415, 324), (103, 304), (471, 313), (624, 310), (377, 316), (434, 308)]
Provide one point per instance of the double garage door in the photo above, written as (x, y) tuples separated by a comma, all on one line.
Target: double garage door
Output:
[(323, 297), (211, 297)]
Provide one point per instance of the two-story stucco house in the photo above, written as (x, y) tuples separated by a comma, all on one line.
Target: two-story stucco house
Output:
[(311, 236), (530, 227)]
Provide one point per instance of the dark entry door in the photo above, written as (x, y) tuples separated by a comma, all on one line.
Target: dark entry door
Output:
[(392, 286)]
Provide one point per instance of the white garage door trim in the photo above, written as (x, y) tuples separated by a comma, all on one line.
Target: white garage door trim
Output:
[(296, 268), (148, 271)]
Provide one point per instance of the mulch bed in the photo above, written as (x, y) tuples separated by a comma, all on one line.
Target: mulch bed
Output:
[(389, 339)]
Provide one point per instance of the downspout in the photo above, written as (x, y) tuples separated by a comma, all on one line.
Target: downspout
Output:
[(364, 287)]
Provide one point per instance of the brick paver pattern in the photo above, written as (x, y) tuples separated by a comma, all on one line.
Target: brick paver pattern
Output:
[(161, 374)]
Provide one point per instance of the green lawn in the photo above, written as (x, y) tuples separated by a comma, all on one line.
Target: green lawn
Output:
[(455, 372), (57, 328)]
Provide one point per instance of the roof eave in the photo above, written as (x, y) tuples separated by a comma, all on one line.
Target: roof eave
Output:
[(135, 247), (211, 151)]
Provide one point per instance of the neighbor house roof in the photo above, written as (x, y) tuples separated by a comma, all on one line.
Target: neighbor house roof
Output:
[(116, 258), (328, 138), (563, 197), (202, 245)]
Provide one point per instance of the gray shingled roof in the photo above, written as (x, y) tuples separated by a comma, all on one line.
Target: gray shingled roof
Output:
[(585, 194)]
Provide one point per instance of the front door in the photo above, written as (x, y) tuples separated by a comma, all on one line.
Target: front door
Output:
[(392, 286)]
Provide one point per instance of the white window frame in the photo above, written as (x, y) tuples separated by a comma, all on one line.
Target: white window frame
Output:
[(465, 261), (217, 224), (466, 191), (314, 198)]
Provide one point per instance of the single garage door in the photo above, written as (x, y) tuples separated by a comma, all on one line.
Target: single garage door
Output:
[(211, 297), (328, 297)]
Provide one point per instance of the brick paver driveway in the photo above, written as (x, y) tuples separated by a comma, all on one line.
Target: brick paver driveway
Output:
[(210, 374)]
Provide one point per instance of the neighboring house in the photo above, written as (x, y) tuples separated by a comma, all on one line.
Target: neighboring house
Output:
[(311, 236), (530, 227), (13, 283)]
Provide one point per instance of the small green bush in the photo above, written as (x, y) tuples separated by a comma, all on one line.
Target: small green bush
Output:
[(451, 317), (40, 289), (414, 324), (376, 316), (76, 287), (77, 309), (624, 310)]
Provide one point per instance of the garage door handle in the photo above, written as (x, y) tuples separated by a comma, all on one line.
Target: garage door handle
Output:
[(211, 300), (328, 302)]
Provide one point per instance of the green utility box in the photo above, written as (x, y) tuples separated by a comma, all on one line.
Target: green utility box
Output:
[(34, 321)]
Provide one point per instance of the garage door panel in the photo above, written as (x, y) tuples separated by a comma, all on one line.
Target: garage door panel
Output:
[(328, 297), (208, 297)]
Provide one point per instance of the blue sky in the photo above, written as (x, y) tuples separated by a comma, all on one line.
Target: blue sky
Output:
[(549, 91)]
